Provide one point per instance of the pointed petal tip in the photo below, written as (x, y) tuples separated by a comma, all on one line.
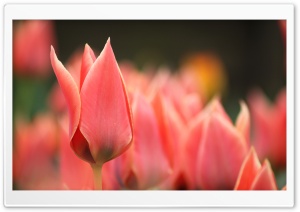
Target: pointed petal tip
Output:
[(52, 51), (242, 103), (266, 163), (252, 150), (252, 153), (108, 43)]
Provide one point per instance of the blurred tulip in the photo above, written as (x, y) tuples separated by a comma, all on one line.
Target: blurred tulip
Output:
[(34, 158), (100, 116), (187, 103), (215, 147), (269, 127), (134, 79), (171, 128), (253, 176), (75, 173), (144, 165), (31, 43), (110, 179)]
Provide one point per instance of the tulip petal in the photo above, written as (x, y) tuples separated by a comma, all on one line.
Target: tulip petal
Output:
[(243, 122), (192, 143), (221, 152), (150, 163), (88, 58), (248, 171), (81, 147), (265, 179), (106, 116), (215, 106), (164, 126), (70, 91), (75, 173)]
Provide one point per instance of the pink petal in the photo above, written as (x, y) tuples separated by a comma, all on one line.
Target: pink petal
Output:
[(171, 129), (88, 58), (75, 173), (31, 47), (221, 153), (109, 176), (265, 179), (192, 143), (248, 171), (261, 114), (192, 105), (164, 126), (151, 165), (106, 116), (215, 106), (70, 91), (243, 122), (81, 147)]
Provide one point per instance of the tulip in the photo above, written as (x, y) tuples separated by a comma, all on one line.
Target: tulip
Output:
[(254, 176), (269, 127), (34, 158), (31, 43), (144, 165), (214, 148), (171, 128), (187, 102), (100, 126)]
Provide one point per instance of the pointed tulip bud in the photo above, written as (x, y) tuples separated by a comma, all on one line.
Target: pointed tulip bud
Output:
[(105, 114), (213, 145), (269, 127), (145, 164), (253, 176), (100, 116), (265, 179), (222, 150), (250, 168)]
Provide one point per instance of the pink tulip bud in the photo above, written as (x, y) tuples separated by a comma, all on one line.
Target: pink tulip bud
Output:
[(100, 116), (171, 129), (214, 148), (145, 164), (269, 127), (253, 176)]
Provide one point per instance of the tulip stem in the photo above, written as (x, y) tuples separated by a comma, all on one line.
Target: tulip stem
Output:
[(97, 169)]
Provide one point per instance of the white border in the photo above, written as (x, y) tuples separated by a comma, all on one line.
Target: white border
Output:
[(147, 198)]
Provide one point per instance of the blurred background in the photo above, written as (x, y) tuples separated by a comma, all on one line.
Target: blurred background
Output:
[(228, 58), (250, 54)]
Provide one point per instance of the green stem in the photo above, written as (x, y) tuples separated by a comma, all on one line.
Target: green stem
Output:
[(97, 169)]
